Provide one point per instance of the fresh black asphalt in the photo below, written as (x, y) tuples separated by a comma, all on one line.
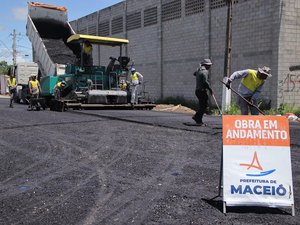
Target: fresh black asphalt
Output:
[(119, 167)]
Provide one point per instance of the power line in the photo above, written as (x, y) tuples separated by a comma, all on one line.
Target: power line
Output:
[(23, 47), (5, 45), (5, 54)]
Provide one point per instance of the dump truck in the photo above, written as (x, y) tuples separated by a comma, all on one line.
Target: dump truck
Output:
[(48, 29), (58, 51), (23, 71)]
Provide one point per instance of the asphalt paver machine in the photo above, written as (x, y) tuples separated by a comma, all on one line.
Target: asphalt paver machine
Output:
[(58, 51), (93, 86)]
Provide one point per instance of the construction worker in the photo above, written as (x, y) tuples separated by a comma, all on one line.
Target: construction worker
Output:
[(123, 85), (136, 79), (34, 90), (12, 87), (57, 91), (87, 53), (250, 87), (89, 84), (202, 85)]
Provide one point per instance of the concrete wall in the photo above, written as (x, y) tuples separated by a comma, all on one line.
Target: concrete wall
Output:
[(255, 32), (288, 90), (168, 39)]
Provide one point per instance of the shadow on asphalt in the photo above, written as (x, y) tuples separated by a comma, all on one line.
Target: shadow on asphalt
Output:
[(218, 204)]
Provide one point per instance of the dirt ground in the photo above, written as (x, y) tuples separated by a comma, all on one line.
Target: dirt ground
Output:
[(173, 108)]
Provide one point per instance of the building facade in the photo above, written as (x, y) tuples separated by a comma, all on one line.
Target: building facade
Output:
[(168, 39)]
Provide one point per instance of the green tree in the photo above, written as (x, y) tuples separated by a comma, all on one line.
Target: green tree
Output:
[(4, 67)]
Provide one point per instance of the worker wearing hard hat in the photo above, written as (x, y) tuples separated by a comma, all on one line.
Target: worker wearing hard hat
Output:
[(124, 85), (57, 91), (12, 86), (34, 90), (34, 87), (136, 79), (250, 87), (202, 85)]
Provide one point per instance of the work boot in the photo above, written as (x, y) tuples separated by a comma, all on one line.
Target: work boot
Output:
[(196, 120), (199, 123)]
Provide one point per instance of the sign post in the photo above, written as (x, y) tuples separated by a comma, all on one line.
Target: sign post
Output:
[(257, 162)]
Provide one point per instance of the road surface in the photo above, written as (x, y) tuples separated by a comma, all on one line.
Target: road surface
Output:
[(119, 167)]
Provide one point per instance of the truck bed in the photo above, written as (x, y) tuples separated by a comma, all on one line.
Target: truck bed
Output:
[(48, 30), (58, 51)]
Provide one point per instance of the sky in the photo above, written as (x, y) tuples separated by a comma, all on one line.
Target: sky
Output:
[(13, 16)]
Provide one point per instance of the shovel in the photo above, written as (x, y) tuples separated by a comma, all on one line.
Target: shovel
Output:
[(249, 103), (220, 111)]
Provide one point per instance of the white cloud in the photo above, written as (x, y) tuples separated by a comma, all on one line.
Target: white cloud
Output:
[(20, 13)]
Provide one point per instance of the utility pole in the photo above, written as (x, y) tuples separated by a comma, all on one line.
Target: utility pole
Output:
[(226, 95), (14, 48)]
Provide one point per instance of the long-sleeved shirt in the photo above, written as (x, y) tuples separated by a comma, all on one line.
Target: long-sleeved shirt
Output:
[(202, 79), (250, 85)]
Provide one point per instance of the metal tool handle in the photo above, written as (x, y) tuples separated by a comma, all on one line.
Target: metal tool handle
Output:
[(220, 111), (249, 103)]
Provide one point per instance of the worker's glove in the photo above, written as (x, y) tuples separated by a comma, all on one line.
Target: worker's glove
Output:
[(253, 101), (228, 84)]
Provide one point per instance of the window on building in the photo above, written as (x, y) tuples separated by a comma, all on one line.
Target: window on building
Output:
[(214, 4), (103, 28), (171, 10), (117, 25), (193, 6), (92, 30), (82, 31), (133, 21), (150, 16)]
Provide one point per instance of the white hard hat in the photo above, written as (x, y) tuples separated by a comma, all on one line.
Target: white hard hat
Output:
[(265, 70), (132, 69)]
